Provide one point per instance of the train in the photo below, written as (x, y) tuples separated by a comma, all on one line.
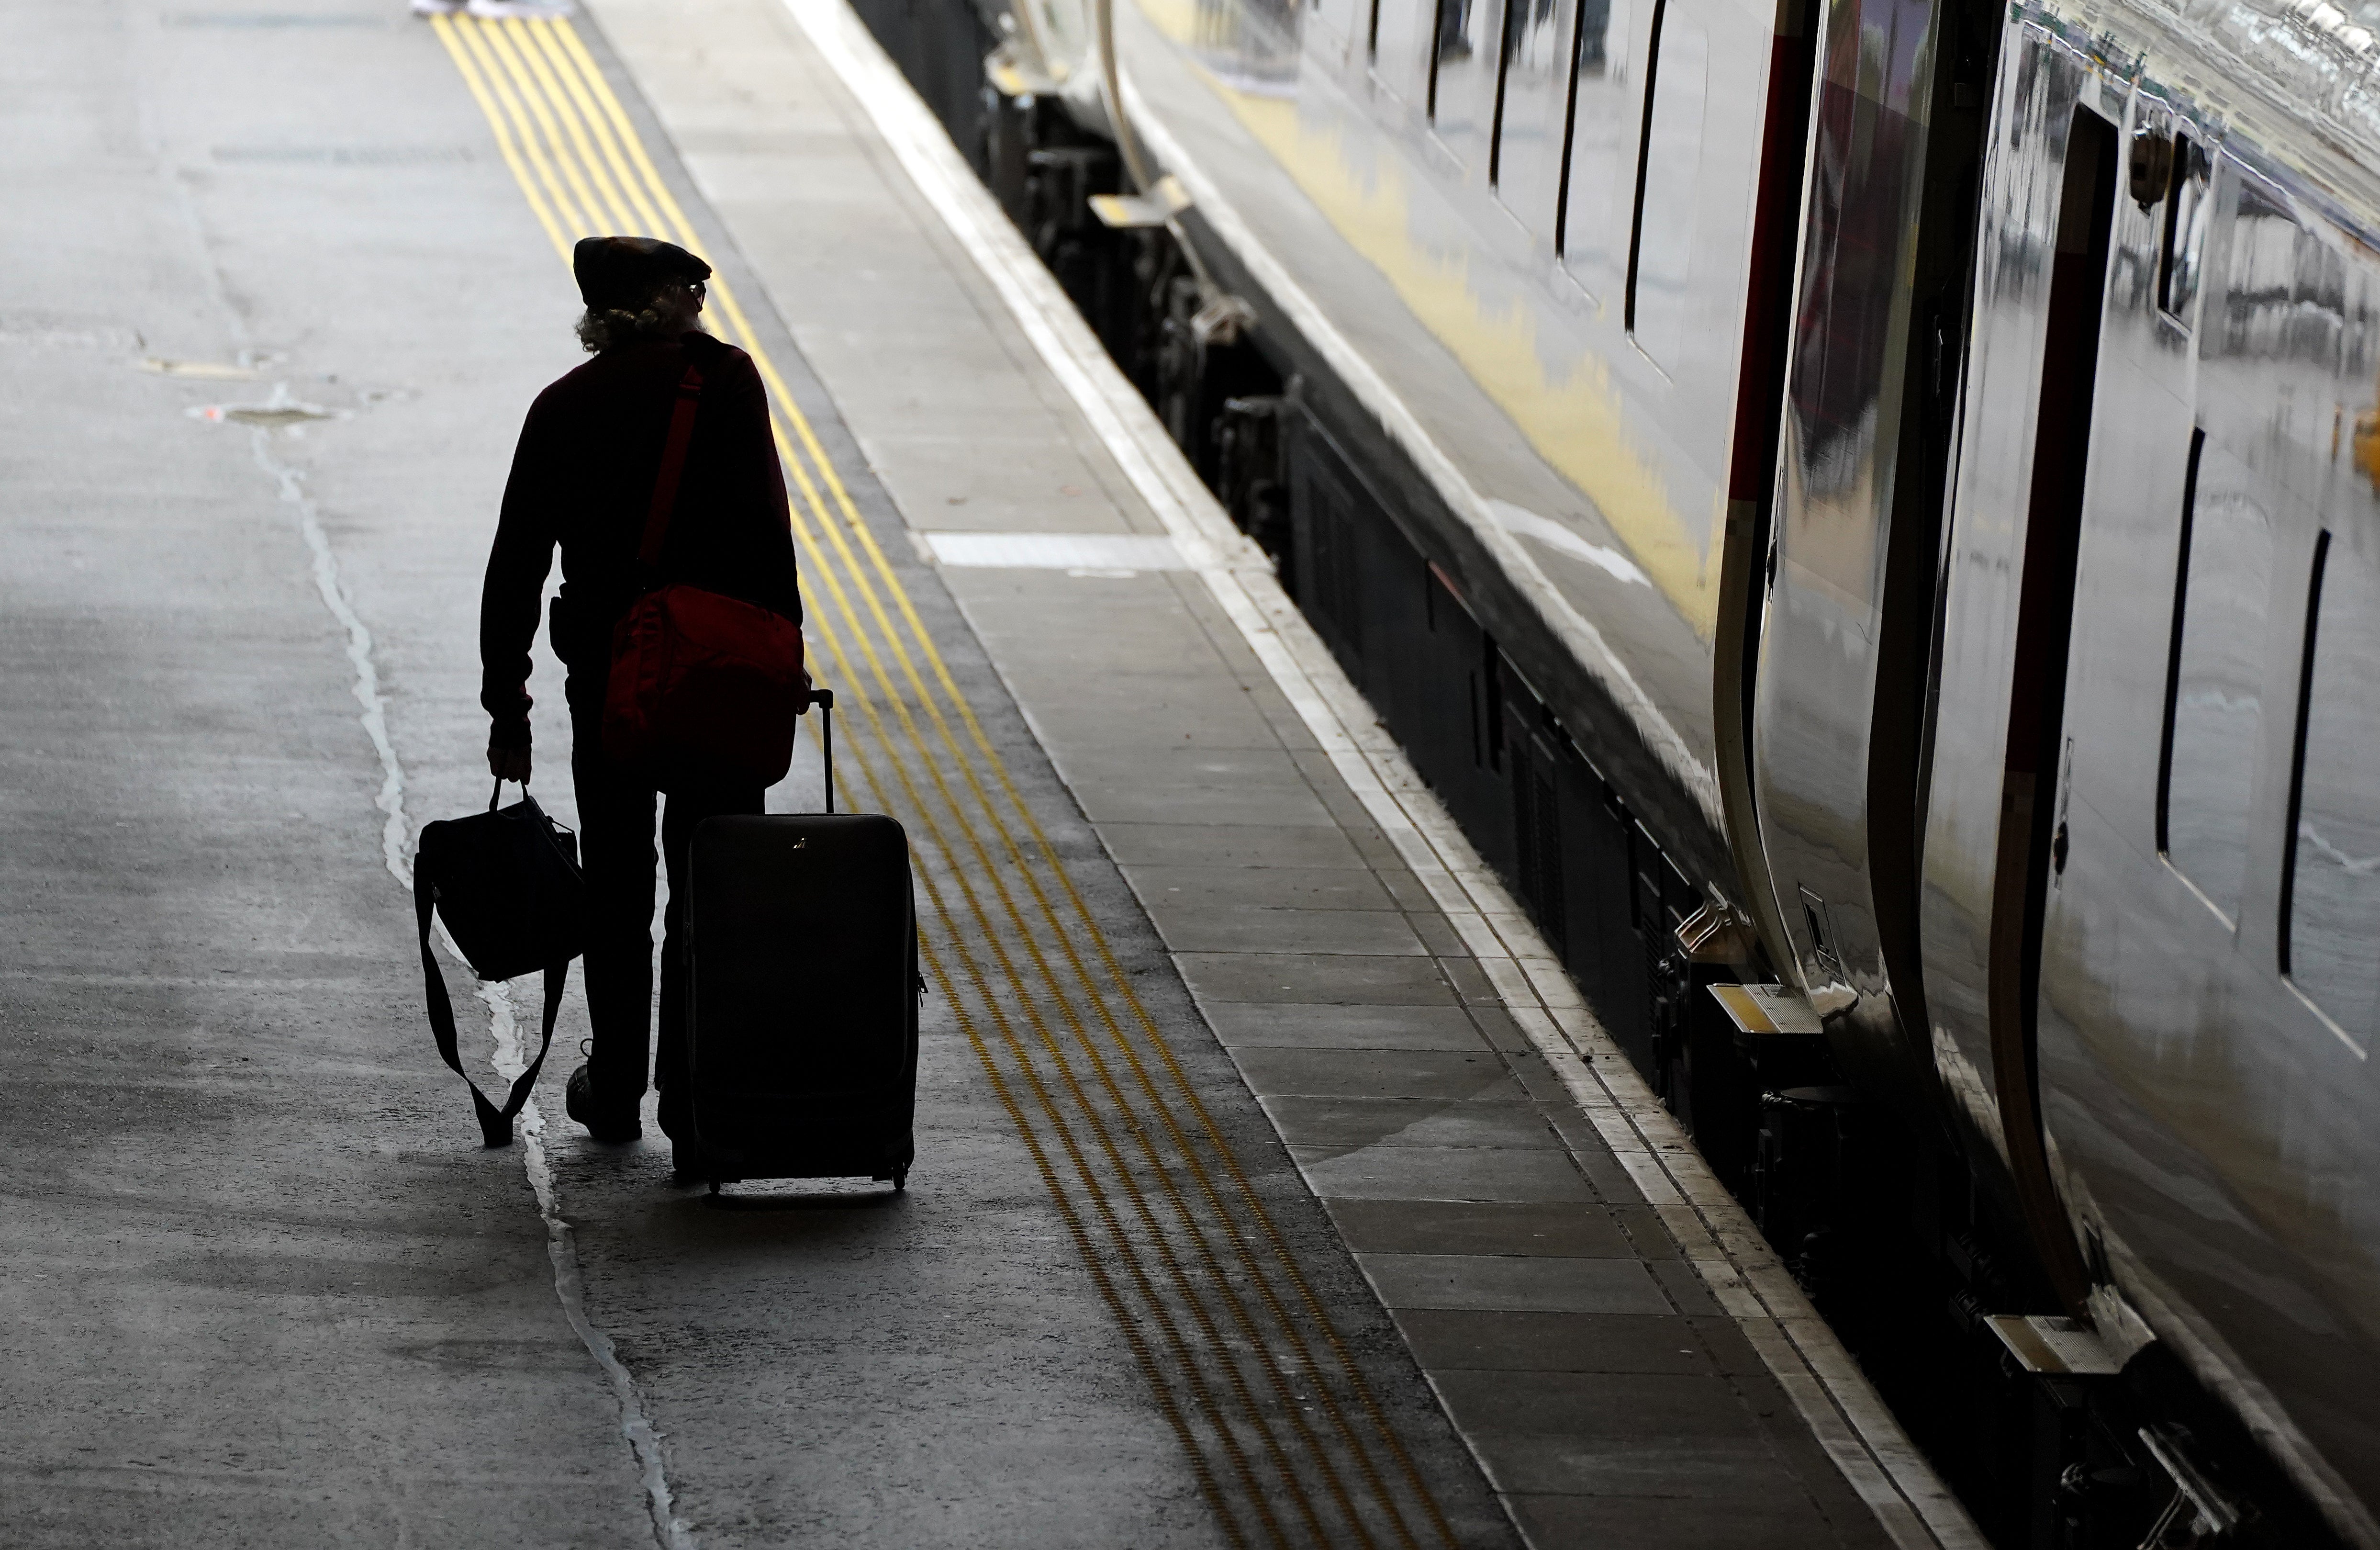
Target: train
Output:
[(1869, 516)]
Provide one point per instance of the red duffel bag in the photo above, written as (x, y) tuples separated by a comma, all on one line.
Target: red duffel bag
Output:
[(704, 688)]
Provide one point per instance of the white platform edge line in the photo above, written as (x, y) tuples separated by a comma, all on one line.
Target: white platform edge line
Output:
[(967, 548), (1844, 1413)]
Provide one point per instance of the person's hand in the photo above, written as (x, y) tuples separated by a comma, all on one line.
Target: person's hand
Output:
[(509, 763)]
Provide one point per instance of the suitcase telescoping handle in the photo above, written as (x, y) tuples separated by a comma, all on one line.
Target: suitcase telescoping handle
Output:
[(824, 700)]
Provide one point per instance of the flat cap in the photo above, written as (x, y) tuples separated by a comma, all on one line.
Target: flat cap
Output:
[(622, 273)]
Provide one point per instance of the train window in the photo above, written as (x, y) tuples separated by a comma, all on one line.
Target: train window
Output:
[(2173, 643), (1597, 146), (1400, 46), (1335, 16), (2330, 935), (1819, 919), (2213, 694), (1661, 250), (1462, 77), (1532, 107), (2188, 210)]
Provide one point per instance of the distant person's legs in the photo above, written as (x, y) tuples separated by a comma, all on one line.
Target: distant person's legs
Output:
[(681, 812), (616, 852), (495, 10), (517, 10)]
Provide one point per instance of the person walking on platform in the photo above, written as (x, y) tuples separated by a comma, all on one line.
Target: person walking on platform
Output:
[(585, 477)]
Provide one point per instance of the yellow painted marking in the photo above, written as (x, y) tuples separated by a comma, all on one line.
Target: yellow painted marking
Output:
[(1576, 421), (1153, 1169), (450, 35), (492, 75)]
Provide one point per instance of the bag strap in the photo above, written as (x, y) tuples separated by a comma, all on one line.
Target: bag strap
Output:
[(495, 1124), (824, 700), (681, 431)]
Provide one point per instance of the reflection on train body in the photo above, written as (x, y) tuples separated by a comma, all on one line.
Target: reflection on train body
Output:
[(2333, 903), (2063, 795), (2202, 1096)]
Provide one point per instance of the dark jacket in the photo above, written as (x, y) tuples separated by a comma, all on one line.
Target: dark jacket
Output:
[(583, 478)]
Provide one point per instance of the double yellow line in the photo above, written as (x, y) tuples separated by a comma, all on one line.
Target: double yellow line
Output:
[(1287, 1439)]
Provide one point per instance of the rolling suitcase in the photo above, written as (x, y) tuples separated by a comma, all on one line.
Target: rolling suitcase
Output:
[(801, 992)]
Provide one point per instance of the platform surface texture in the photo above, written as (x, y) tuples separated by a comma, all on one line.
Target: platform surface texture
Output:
[(1270, 1187)]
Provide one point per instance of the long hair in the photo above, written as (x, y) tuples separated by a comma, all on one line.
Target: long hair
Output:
[(602, 328)]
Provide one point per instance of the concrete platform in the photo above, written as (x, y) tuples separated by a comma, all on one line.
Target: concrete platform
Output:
[(1267, 1191)]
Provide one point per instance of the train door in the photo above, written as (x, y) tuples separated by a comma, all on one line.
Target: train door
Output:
[(2027, 849), (2177, 1049), (1744, 545), (1847, 598), (2137, 579), (1997, 792)]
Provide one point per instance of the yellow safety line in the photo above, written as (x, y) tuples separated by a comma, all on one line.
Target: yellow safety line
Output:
[(1155, 1230), (1050, 1110), (568, 110), (1132, 1057), (853, 523), (447, 35), (813, 501), (1065, 1003), (1126, 1320), (566, 68), (834, 530), (1222, 1427), (565, 210), (844, 600), (526, 87), (1031, 945), (1124, 984), (856, 685), (555, 77), (868, 647), (991, 870)]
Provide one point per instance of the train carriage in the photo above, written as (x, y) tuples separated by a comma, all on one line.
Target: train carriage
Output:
[(1884, 498)]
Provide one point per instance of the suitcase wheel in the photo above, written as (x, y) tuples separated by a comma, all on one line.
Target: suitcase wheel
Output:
[(899, 1179)]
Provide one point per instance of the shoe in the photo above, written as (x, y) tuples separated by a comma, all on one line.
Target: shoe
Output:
[(519, 10), (613, 1129)]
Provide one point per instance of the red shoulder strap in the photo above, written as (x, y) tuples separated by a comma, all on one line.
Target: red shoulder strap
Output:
[(681, 431)]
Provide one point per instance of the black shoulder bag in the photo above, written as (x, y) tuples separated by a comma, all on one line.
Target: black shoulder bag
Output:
[(508, 886)]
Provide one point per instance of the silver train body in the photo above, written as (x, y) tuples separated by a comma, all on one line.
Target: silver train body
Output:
[(1924, 462)]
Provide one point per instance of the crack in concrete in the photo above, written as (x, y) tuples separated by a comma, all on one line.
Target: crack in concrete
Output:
[(670, 1531), (570, 1283)]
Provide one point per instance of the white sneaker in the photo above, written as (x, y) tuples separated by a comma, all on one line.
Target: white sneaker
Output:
[(518, 10)]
